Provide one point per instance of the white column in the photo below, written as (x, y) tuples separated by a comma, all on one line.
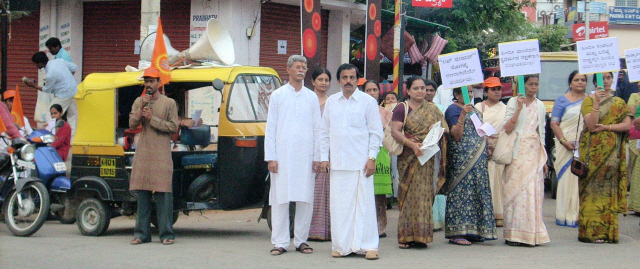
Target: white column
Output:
[(337, 44)]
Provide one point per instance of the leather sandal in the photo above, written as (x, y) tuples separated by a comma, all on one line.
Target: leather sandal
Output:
[(136, 241), (277, 251), (372, 255), (304, 248)]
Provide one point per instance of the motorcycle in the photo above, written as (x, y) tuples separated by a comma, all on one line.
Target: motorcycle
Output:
[(53, 172), (25, 199)]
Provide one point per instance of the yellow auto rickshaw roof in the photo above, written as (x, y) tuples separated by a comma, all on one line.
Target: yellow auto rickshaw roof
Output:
[(110, 81), (559, 56)]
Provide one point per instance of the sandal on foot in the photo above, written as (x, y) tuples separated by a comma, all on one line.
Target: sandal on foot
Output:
[(277, 251), (136, 241), (511, 243), (404, 245), (304, 248), (460, 242), (336, 254), (599, 241), (382, 235), (372, 255), (168, 241)]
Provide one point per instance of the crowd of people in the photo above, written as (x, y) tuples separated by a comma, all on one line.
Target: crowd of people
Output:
[(467, 187)]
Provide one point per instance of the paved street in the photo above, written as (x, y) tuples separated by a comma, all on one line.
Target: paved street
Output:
[(234, 239)]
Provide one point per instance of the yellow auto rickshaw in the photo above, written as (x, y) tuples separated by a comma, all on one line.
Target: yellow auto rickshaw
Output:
[(219, 165)]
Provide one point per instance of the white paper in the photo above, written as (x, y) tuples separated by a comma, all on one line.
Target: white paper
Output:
[(51, 126), (638, 145), (576, 145), (598, 55), (196, 117), (633, 64), (460, 68), (430, 143), (520, 58), (482, 128)]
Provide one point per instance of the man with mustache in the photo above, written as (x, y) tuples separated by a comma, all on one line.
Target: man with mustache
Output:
[(351, 132), (152, 170), (291, 148)]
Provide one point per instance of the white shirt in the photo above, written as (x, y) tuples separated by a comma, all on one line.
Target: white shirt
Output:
[(443, 97), (351, 131), (59, 79), (292, 139)]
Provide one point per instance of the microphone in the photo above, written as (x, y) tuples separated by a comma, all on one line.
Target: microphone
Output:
[(147, 104)]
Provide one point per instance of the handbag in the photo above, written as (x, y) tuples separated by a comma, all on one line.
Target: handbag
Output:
[(503, 153), (578, 168), (394, 147)]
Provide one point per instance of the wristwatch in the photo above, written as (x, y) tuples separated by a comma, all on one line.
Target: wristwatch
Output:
[(373, 159)]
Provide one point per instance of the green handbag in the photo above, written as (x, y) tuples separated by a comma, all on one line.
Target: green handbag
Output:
[(382, 176)]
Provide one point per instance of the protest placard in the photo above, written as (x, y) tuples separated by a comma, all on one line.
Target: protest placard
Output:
[(598, 55), (520, 58), (633, 64), (460, 68)]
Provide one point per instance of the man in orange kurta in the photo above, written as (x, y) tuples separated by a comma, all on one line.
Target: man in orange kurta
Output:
[(152, 165)]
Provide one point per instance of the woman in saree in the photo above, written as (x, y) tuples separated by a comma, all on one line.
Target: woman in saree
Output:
[(566, 124), (320, 229), (634, 161), (603, 146), (469, 216), (524, 192), (493, 112), (371, 88), (416, 190)]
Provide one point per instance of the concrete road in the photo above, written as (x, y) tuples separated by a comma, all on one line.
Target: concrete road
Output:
[(218, 239)]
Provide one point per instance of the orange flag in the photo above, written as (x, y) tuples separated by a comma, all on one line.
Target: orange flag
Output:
[(159, 57), (16, 110)]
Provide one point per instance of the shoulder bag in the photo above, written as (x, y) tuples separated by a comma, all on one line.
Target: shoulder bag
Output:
[(579, 168), (393, 146), (503, 153)]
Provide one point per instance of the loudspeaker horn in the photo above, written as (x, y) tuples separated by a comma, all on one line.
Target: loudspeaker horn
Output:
[(149, 42), (214, 45)]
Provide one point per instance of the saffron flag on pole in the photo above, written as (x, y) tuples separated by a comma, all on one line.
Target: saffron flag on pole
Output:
[(159, 59), (16, 109)]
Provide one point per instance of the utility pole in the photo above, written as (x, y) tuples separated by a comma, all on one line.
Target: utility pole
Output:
[(586, 24), (5, 35)]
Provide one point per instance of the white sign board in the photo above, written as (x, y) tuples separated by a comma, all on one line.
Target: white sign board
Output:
[(633, 63), (460, 68), (598, 55), (520, 58), (282, 47), (201, 12)]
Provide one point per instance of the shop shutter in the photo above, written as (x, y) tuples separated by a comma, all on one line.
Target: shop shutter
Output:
[(176, 16), (282, 22), (22, 45), (110, 32)]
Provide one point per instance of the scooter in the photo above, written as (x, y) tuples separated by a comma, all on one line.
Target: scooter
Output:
[(53, 172), (25, 199)]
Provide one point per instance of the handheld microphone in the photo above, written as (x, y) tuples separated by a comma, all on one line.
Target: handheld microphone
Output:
[(147, 104)]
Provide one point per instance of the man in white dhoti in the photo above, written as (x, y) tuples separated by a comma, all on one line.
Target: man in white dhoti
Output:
[(292, 149), (351, 133)]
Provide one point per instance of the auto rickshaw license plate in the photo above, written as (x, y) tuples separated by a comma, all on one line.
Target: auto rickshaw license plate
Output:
[(107, 167)]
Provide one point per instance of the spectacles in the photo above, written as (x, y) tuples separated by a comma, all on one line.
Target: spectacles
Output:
[(300, 68)]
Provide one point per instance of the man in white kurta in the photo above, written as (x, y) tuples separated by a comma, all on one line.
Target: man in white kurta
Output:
[(351, 133), (292, 150)]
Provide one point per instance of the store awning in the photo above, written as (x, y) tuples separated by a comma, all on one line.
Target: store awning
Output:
[(411, 21)]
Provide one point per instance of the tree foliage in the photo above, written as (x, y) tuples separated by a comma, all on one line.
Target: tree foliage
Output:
[(551, 37)]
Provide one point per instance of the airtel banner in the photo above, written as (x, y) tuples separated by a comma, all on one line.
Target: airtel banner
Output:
[(432, 3), (597, 29)]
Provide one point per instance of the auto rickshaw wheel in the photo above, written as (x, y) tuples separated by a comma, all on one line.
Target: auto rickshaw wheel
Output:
[(292, 217), (93, 217), (203, 188), (154, 217)]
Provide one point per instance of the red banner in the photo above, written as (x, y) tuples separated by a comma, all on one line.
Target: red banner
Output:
[(597, 29), (432, 3), (372, 45), (311, 24)]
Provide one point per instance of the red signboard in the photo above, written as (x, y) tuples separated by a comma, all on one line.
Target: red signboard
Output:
[(432, 3), (597, 29)]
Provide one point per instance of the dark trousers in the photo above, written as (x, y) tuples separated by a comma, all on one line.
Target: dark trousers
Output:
[(164, 208)]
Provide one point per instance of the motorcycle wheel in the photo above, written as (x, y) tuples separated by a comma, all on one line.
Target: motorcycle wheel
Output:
[(26, 220), (93, 217)]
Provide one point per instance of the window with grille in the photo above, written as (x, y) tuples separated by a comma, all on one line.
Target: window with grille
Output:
[(626, 3)]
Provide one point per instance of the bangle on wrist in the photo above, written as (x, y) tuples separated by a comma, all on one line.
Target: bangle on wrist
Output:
[(595, 109), (404, 140), (563, 140), (609, 127)]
